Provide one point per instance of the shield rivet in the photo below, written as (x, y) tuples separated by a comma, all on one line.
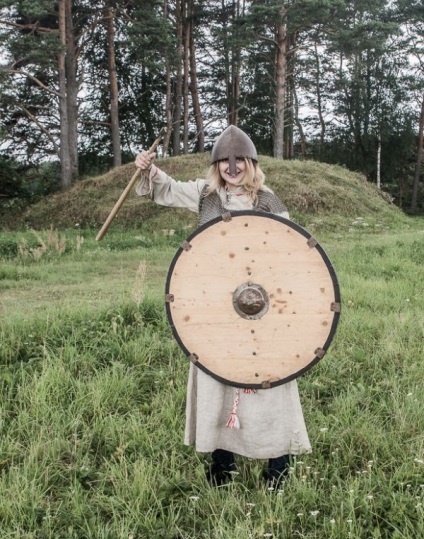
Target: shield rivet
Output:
[(250, 301)]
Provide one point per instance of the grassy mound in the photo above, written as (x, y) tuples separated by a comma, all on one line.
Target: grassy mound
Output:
[(318, 195)]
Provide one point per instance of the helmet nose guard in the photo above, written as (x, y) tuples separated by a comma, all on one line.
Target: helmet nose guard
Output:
[(231, 144)]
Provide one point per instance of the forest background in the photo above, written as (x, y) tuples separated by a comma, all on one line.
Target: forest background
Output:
[(84, 85)]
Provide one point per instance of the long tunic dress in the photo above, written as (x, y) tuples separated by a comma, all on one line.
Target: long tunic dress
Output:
[(271, 420)]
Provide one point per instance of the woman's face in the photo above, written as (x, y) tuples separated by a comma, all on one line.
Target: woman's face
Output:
[(224, 170)]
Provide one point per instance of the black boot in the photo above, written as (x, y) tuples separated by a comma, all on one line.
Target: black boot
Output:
[(219, 472), (277, 471)]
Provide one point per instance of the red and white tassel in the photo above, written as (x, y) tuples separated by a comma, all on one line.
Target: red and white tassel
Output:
[(234, 422)]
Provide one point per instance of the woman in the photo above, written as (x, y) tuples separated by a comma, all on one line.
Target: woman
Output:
[(222, 420)]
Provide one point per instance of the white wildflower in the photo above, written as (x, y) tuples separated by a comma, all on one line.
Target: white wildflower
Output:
[(332, 521), (324, 429), (314, 513)]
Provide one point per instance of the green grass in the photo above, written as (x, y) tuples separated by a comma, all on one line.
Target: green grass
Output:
[(89, 275), (93, 395)]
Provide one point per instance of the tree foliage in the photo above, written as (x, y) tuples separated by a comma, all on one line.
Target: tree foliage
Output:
[(336, 80)]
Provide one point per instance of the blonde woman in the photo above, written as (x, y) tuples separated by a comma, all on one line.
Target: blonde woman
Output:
[(220, 419)]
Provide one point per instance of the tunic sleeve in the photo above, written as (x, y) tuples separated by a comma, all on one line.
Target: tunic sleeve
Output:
[(284, 214), (166, 191)]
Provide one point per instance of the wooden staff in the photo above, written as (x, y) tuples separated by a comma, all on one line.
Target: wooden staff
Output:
[(128, 188)]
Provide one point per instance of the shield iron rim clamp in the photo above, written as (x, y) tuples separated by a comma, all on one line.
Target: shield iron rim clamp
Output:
[(252, 299)]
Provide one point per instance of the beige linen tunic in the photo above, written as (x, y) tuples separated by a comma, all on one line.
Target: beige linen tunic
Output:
[(271, 420)]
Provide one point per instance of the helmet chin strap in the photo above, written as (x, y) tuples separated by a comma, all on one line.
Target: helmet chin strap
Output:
[(233, 165)]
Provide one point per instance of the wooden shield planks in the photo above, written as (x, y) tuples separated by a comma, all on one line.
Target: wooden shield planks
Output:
[(297, 287)]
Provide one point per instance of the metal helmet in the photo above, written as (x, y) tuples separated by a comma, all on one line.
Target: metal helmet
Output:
[(231, 144)]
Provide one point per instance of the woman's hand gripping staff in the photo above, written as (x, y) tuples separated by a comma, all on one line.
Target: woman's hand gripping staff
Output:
[(144, 160), (143, 164)]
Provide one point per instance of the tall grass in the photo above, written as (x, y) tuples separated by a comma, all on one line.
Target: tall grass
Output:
[(93, 395)]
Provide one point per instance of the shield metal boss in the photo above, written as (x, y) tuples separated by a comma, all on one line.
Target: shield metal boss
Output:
[(253, 301)]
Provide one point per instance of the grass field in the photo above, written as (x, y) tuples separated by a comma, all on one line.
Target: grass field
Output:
[(93, 392)]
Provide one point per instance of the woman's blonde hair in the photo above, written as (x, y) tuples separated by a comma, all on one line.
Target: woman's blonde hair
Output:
[(253, 181)]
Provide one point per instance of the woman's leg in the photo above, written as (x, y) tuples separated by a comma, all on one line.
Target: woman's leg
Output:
[(223, 463), (277, 470)]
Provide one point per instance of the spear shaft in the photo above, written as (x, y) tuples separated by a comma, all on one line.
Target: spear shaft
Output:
[(126, 191)]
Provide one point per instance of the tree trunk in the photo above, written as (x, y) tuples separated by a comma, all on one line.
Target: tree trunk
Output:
[(235, 72), (299, 125), (168, 96), (227, 61), (290, 89), (186, 74), (65, 160), (288, 122), (379, 161), (236, 92), (168, 109), (280, 83), (319, 99), (71, 90), (179, 81), (113, 83), (418, 161), (194, 87)]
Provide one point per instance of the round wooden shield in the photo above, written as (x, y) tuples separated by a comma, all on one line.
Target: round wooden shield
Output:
[(252, 299)]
